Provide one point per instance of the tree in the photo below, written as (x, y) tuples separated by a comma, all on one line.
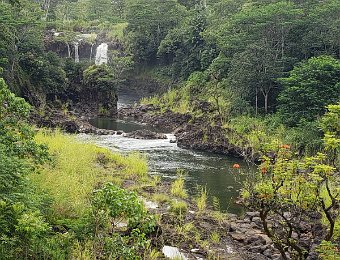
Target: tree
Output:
[(298, 200), (184, 48), (16, 143), (149, 22), (321, 30), (120, 67), (257, 37), (100, 87), (311, 86), (20, 222), (28, 70)]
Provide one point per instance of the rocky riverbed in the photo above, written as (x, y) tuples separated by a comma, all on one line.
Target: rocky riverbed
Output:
[(192, 133), (208, 234)]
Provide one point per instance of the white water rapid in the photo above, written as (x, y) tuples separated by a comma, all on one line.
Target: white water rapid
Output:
[(101, 54)]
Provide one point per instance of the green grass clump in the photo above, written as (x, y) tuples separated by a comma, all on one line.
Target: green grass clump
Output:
[(160, 197), (180, 208), (202, 200), (135, 164), (177, 100), (177, 187), (215, 237)]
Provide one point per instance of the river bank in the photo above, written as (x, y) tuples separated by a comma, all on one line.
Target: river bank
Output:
[(196, 133), (191, 133), (186, 223), (200, 234), (203, 169)]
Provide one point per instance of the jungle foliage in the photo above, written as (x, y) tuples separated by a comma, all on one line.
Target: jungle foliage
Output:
[(268, 69)]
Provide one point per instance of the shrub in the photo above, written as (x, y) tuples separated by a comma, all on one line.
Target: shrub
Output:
[(202, 200), (119, 203), (178, 207), (177, 187), (295, 192), (311, 86)]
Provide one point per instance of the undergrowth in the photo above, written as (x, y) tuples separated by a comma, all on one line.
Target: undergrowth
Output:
[(82, 183)]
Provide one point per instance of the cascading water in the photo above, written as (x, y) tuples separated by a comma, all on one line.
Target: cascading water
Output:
[(68, 50), (76, 52), (101, 54)]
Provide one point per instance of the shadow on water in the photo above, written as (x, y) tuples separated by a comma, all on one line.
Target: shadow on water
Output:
[(118, 124)]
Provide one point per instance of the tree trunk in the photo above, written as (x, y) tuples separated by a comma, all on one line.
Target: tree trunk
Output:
[(266, 102), (263, 217), (256, 101), (47, 8)]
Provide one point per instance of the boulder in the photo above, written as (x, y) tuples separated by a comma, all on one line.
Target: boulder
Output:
[(238, 236), (145, 134)]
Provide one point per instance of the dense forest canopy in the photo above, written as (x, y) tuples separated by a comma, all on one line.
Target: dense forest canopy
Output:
[(264, 71), (246, 46)]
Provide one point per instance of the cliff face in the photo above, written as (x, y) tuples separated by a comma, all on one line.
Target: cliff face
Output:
[(84, 94), (65, 46)]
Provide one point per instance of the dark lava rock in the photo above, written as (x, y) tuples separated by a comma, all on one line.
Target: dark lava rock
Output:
[(145, 134), (238, 236), (193, 133), (252, 214), (151, 115), (200, 135)]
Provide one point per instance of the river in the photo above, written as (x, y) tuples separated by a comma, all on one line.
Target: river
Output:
[(202, 169)]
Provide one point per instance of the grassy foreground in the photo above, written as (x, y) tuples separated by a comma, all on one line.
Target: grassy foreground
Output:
[(83, 185), (78, 168), (92, 191)]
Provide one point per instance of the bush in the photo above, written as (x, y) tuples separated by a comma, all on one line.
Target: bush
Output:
[(295, 192), (180, 208), (119, 204), (21, 223)]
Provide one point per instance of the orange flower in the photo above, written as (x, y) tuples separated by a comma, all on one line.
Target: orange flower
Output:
[(285, 146), (236, 166), (264, 170)]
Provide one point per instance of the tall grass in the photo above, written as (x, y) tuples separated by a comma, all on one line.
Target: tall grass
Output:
[(177, 100), (202, 200), (177, 187), (78, 168)]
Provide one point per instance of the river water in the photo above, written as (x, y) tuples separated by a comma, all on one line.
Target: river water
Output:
[(202, 169)]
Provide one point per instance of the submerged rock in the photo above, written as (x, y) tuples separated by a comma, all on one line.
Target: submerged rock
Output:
[(145, 134), (119, 132)]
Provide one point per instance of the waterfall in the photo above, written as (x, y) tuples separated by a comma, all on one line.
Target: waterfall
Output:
[(76, 52), (101, 55)]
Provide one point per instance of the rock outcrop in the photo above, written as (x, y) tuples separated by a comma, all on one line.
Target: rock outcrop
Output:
[(70, 122), (145, 134), (192, 133)]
